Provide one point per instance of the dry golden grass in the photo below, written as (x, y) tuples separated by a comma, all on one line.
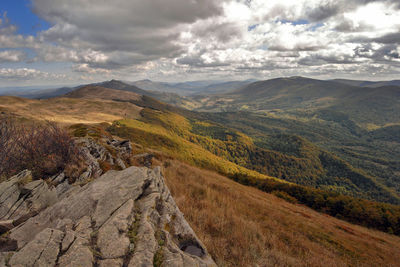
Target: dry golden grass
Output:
[(69, 110), (93, 92), (242, 226)]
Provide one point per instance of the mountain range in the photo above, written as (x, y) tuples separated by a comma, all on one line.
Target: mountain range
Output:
[(368, 83), (325, 145)]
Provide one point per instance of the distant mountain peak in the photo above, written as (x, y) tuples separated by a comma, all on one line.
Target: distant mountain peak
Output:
[(114, 81)]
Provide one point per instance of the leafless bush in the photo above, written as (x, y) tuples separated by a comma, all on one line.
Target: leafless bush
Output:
[(7, 141), (44, 148)]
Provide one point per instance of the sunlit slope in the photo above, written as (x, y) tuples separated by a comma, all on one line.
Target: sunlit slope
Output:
[(93, 92), (176, 140), (69, 110), (226, 151), (242, 226), (191, 138)]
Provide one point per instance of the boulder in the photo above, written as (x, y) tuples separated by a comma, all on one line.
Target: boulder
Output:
[(123, 218), (21, 198), (93, 153), (144, 159)]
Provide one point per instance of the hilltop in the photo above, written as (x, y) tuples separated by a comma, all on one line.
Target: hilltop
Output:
[(378, 105), (93, 92), (362, 83)]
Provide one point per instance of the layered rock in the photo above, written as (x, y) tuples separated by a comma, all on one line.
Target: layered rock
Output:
[(123, 218), (22, 198), (94, 153)]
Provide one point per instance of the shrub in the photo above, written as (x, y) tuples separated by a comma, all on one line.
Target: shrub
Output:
[(44, 148), (7, 139)]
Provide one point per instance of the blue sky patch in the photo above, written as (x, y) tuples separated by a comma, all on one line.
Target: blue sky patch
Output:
[(19, 13), (294, 22), (252, 27), (316, 26)]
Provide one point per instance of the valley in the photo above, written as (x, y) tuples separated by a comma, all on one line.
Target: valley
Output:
[(305, 156)]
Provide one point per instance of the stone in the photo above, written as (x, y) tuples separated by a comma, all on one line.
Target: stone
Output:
[(144, 159), (111, 263), (120, 163), (5, 258), (83, 227), (111, 242), (63, 188), (41, 251), (6, 226), (21, 198), (69, 238), (78, 255), (117, 219), (10, 192), (58, 179)]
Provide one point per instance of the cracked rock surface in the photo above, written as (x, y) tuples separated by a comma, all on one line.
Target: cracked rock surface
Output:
[(94, 152), (123, 218), (22, 198)]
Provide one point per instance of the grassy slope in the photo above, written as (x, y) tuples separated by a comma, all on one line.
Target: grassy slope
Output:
[(242, 226), (174, 139), (93, 92), (168, 97), (69, 110), (304, 168), (173, 133), (193, 140), (310, 167)]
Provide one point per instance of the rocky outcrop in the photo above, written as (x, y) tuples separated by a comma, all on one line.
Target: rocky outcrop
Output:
[(22, 198), (94, 153), (123, 218)]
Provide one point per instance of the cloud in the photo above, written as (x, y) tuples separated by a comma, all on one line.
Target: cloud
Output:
[(8, 36), (391, 38), (138, 30), (178, 38), (85, 68), (11, 56), (27, 74)]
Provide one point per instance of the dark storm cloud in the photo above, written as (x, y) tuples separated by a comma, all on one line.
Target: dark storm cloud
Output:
[(317, 59), (391, 38), (298, 47), (326, 10), (149, 28), (150, 13), (347, 25), (221, 31)]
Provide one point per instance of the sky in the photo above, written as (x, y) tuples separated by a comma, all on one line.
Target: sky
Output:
[(60, 42)]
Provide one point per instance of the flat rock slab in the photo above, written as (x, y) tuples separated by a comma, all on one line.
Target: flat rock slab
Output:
[(123, 218), (21, 198)]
